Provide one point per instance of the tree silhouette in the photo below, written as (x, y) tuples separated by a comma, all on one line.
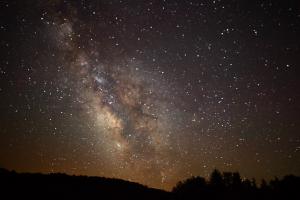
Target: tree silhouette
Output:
[(216, 178), (229, 185), (226, 185), (192, 187)]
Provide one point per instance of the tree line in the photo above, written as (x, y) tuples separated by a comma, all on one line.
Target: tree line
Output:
[(226, 185), (230, 185)]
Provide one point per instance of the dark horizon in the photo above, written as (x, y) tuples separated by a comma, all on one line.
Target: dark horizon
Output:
[(258, 183), (226, 185), (150, 91)]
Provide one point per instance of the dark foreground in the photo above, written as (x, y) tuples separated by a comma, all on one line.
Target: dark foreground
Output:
[(220, 186), (62, 186)]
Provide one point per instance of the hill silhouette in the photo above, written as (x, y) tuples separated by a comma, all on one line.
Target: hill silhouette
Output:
[(61, 186), (226, 185)]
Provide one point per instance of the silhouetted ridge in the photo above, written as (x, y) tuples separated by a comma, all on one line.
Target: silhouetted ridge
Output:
[(58, 185), (226, 185)]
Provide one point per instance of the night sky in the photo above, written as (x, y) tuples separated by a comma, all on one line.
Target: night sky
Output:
[(150, 91)]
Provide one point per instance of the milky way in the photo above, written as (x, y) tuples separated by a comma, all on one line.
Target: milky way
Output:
[(150, 91), (128, 105)]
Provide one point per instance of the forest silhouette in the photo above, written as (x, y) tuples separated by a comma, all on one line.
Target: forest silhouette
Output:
[(226, 185)]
